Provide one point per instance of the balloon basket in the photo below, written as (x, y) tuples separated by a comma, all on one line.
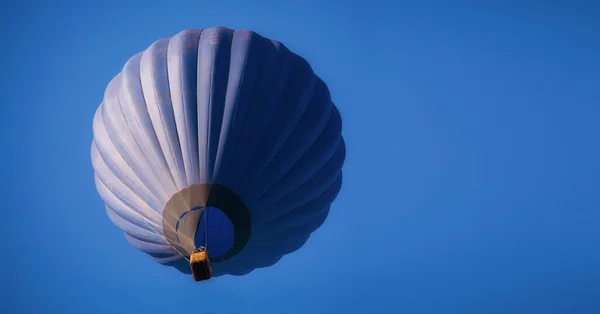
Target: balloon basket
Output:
[(200, 266)]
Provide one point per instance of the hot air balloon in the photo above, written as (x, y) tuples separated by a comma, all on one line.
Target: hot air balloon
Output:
[(217, 151)]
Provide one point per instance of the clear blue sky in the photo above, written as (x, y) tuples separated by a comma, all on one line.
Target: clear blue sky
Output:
[(471, 181)]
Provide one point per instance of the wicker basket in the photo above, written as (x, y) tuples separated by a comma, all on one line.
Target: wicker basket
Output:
[(200, 265)]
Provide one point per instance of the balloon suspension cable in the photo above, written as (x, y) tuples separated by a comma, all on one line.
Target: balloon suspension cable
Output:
[(205, 214), (206, 228), (144, 219), (212, 181), (163, 238)]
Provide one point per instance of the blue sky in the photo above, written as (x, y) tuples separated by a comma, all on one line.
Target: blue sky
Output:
[(471, 180)]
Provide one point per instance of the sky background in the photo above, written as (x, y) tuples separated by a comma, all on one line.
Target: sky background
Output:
[(471, 179)]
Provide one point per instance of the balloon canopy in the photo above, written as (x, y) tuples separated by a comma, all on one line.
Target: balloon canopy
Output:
[(221, 139)]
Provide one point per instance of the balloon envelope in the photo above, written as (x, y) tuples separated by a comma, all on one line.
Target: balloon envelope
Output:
[(217, 138)]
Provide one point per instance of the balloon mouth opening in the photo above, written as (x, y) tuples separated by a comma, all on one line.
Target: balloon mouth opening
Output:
[(215, 232), (208, 215)]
